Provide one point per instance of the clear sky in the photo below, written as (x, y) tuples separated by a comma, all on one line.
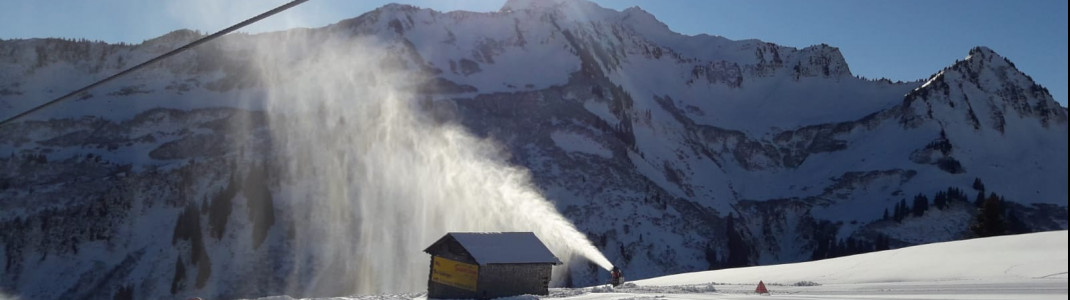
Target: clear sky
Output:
[(899, 40)]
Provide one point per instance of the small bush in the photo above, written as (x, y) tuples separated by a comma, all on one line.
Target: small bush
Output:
[(806, 283)]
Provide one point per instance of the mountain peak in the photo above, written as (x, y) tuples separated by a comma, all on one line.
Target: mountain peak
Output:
[(982, 56), (982, 51), (985, 72), (174, 37), (638, 17), (398, 7), (578, 10), (822, 60), (530, 4)]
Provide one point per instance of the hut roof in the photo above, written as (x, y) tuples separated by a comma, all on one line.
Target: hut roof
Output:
[(502, 247)]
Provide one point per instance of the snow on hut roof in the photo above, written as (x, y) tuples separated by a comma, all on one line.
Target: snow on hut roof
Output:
[(504, 247)]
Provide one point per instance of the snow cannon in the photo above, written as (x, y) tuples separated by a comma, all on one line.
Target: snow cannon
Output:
[(616, 277)]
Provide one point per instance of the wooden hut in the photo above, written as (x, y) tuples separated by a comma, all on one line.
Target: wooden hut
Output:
[(489, 265)]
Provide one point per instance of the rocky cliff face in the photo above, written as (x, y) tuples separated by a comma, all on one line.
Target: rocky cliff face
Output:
[(647, 140)]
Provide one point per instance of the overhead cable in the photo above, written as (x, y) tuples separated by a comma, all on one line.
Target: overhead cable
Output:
[(156, 59)]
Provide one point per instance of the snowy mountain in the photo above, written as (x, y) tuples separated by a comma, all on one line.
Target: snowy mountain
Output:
[(311, 162)]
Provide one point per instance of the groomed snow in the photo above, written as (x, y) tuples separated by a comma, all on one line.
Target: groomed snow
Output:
[(1028, 256), (1028, 266)]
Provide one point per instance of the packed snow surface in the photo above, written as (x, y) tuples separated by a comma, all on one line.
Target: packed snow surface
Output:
[(1028, 266)]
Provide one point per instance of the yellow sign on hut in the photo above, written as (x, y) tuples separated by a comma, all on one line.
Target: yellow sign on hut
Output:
[(454, 273)]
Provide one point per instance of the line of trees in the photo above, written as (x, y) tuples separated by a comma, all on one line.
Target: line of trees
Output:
[(738, 250), (992, 217), (921, 204)]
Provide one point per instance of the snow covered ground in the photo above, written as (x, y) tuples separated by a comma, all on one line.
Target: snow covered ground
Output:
[(1029, 266)]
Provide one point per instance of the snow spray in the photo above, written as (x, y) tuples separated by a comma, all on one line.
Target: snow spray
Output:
[(372, 179)]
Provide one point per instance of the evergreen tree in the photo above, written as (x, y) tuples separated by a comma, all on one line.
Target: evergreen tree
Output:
[(901, 210), (978, 185), (837, 249), (989, 220), (954, 194), (898, 215), (711, 257), (882, 243), (1015, 224), (178, 283), (737, 249), (124, 293), (921, 204), (821, 251), (940, 200)]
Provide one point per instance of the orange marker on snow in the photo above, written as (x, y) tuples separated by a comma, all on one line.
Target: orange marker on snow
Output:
[(761, 288)]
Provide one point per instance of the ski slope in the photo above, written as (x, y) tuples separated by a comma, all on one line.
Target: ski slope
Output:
[(1028, 266)]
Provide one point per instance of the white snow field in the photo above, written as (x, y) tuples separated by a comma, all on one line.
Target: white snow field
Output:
[(1028, 266)]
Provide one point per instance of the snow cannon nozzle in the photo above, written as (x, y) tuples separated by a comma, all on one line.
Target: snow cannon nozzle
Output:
[(616, 277)]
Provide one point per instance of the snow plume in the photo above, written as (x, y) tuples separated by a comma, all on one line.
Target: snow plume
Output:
[(372, 178)]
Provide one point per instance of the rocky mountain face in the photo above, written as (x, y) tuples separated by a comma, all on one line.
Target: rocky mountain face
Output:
[(672, 153)]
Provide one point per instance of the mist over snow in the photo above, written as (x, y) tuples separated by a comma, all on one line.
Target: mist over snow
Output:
[(320, 162)]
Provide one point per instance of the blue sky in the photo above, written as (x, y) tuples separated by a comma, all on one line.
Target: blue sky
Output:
[(899, 40)]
